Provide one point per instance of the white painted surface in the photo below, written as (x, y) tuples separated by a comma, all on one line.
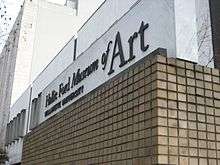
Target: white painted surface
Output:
[(55, 26), (86, 8), (41, 38), (149, 11), (54, 68), (186, 31), (25, 50), (46, 28), (189, 17), (101, 21)]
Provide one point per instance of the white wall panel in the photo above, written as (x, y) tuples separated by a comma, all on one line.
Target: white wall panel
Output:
[(25, 50), (86, 8), (55, 25), (54, 68), (186, 30), (101, 21)]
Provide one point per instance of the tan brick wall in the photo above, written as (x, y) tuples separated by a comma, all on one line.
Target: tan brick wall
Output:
[(159, 111), (188, 101)]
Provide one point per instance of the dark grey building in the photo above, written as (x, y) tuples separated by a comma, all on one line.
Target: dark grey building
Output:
[(215, 21)]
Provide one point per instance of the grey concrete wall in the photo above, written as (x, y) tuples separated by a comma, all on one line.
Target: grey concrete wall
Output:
[(7, 67)]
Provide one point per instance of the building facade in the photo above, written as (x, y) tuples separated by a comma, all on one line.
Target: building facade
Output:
[(109, 97), (37, 30), (158, 111), (42, 36), (7, 66), (39, 45)]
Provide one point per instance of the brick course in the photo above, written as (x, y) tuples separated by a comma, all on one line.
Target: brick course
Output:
[(159, 111)]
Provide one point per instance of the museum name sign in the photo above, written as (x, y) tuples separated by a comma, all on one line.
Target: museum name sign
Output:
[(77, 77), (118, 45)]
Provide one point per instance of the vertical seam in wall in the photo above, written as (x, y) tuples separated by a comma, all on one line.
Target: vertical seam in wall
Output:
[(177, 94), (187, 117), (206, 122), (197, 120), (29, 110), (168, 134)]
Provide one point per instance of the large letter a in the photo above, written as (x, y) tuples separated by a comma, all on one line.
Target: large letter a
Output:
[(117, 51)]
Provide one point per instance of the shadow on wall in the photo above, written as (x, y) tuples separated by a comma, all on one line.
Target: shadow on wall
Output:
[(3, 157)]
